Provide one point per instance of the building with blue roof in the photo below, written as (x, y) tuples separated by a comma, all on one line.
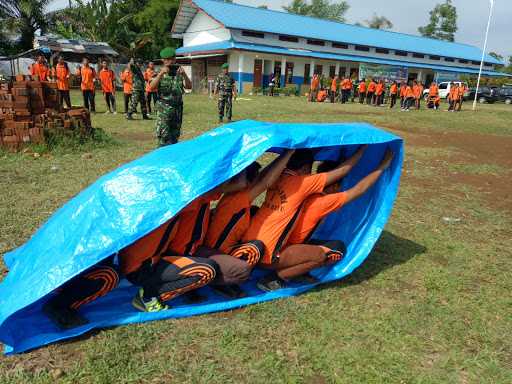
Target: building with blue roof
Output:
[(258, 43)]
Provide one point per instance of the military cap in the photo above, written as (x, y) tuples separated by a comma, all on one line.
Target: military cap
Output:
[(225, 66), (167, 53)]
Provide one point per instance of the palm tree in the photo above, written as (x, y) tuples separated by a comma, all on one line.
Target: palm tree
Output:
[(24, 17)]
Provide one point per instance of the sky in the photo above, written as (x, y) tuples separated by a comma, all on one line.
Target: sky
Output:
[(408, 15)]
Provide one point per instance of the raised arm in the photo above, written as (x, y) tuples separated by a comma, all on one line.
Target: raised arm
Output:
[(154, 83), (365, 184), (270, 175), (345, 167)]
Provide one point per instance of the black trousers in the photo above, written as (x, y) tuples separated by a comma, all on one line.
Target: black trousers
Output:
[(151, 96), (172, 276), (409, 102), (345, 94), (64, 97), (369, 97), (87, 287), (127, 99), (393, 101), (89, 102), (379, 99), (361, 97), (110, 99)]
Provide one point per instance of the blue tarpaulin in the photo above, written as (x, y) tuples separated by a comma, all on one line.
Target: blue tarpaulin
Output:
[(136, 198)]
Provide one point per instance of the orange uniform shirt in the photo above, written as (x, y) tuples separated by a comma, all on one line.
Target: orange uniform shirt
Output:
[(403, 90), (148, 76), (334, 85), (322, 95), (362, 87), (127, 79), (194, 220), (433, 90), (315, 208), (274, 221), (315, 83), (40, 70), (417, 91), (393, 90), (61, 73), (88, 75), (409, 92), (372, 86), (462, 90), (107, 78), (379, 89), (151, 246), (230, 221), (454, 93)]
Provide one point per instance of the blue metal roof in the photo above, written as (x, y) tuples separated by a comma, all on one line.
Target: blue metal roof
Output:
[(230, 44), (238, 16)]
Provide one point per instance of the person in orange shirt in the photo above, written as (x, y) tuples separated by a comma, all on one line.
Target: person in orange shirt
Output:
[(361, 89), (108, 86), (162, 276), (403, 89), (275, 220), (316, 253), (87, 84), (127, 80), (61, 74), (433, 96), (379, 93), (393, 92), (370, 93), (453, 97), (40, 69), (418, 93), (462, 91), (346, 87), (321, 96), (409, 97), (334, 89), (151, 94), (315, 85)]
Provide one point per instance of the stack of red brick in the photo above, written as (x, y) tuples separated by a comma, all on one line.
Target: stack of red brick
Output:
[(30, 111)]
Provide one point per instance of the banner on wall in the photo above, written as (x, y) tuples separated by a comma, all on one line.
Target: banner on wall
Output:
[(386, 72), (446, 76)]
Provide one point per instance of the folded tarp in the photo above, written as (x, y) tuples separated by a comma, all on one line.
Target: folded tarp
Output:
[(136, 198)]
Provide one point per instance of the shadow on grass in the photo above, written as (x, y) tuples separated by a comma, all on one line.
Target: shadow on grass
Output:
[(390, 250)]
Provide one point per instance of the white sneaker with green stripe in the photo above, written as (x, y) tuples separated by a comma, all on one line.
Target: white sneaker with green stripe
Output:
[(152, 305)]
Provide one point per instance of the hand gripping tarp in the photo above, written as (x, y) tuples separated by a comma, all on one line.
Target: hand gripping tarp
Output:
[(136, 198)]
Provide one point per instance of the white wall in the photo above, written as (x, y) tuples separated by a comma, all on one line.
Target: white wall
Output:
[(204, 30)]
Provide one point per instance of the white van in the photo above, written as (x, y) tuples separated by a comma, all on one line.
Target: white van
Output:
[(444, 89)]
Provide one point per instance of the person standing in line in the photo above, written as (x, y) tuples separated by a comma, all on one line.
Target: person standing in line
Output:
[(393, 91), (334, 89), (61, 75), (108, 86), (370, 94), (403, 91), (151, 94), (126, 79), (379, 93), (87, 83), (315, 85), (271, 85), (362, 91), (138, 91), (40, 69), (225, 88), (462, 91)]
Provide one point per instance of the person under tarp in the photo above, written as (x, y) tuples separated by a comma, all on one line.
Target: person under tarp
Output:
[(302, 254)]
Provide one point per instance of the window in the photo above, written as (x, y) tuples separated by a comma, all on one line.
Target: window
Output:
[(418, 55), (488, 64), (340, 45), (443, 86), (400, 53), (332, 71), (382, 50), (342, 71), (316, 42), (307, 70), (319, 69), (290, 39), (259, 35), (475, 62), (288, 75), (462, 61), (450, 59), (362, 48), (433, 57)]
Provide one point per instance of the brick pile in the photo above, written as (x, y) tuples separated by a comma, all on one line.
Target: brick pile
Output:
[(30, 112)]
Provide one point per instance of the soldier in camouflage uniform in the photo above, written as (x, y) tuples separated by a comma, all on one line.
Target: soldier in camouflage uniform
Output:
[(138, 92), (225, 87), (170, 82)]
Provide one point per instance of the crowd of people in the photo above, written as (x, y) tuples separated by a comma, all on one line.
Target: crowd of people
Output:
[(376, 92)]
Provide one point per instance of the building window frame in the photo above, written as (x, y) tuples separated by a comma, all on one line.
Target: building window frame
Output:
[(339, 45), (289, 39), (257, 35), (383, 51), (362, 48), (434, 57), (401, 53), (319, 43), (418, 55)]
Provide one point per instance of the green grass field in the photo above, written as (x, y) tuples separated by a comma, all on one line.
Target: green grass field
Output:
[(431, 304)]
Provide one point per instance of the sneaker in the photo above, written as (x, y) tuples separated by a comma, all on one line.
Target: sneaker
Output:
[(63, 318), (146, 117), (229, 291), (270, 283), (115, 112), (152, 305), (107, 112)]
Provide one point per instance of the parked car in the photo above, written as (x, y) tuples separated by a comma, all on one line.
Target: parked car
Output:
[(505, 95), (485, 94), (444, 89)]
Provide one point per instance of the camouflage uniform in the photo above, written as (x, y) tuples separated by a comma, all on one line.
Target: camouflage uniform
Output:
[(169, 109), (138, 92), (224, 86)]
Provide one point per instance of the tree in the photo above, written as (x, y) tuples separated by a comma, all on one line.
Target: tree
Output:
[(379, 22), (322, 9), (24, 18), (497, 56), (443, 22)]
